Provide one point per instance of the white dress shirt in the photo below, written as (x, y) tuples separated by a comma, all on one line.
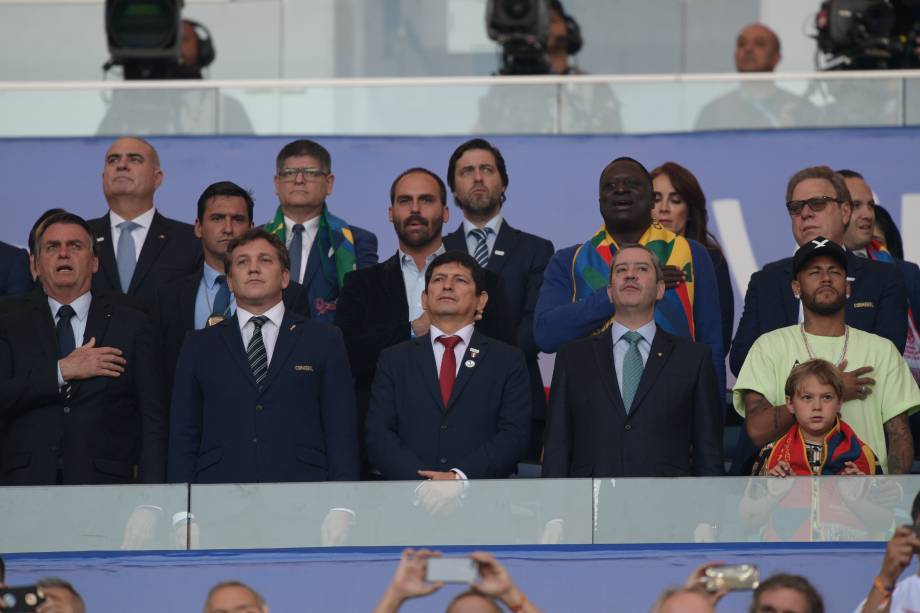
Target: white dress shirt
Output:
[(270, 328), (77, 322), (139, 234), (310, 228), (621, 345), (414, 280), (494, 224), (465, 333)]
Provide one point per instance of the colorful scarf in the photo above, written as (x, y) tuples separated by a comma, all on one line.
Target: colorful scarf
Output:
[(674, 312), (877, 251), (335, 242), (841, 445)]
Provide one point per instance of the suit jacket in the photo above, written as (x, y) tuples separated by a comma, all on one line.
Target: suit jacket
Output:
[(673, 430), (174, 316), (103, 430), (320, 293), (299, 426), (520, 258), (877, 304), (15, 276), (170, 252), (484, 429)]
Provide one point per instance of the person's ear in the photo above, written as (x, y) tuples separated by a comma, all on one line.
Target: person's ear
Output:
[(789, 405), (796, 289)]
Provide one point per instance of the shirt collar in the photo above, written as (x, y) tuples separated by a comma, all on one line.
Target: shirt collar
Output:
[(143, 220), (494, 224), (274, 314), (404, 258), (80, 306), (863, 253), (309, 227), (465, 333), (647, 331), (210, 275)]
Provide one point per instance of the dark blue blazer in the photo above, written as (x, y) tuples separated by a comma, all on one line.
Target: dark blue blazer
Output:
[(15, 276), (877, 304), (300, 426), (911, 274), (484, 429)]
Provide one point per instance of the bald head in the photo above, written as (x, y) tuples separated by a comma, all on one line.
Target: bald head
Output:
[(757, 49), (234, 597), (683, 601)]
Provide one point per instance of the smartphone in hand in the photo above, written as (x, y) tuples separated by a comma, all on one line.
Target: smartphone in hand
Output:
[(451, 570)]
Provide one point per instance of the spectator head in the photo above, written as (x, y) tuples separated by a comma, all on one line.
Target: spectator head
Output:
[(679, 203), (454, 288), (258, 269), (818, 204), (786, 593), (887, 233), (478, 178), (472, 601), (224, 213), (303, 179), (62, 595), (819, 272), (862, 222), (757, 49), (37, 225), (636, 280), (418, 210), (190, 45), (682, 600), (131, 174), (814, 395), (65, 258), (625, 196), (234, 597)]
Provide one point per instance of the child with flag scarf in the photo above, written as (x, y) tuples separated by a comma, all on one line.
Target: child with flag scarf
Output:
[(819, 443)]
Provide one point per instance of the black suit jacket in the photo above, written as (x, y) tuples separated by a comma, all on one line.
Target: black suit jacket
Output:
[(484, 429), (170, 252), (15, 276), (673, 430), (877, 304), (103, 429), (520, 259)]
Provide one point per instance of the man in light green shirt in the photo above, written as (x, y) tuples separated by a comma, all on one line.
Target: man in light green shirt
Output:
[(876, 408)]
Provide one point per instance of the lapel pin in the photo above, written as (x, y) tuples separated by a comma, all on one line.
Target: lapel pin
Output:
[(162, 236), (498, 252), (660, 354), (292, 327), (99, 239), (469, 363), (474, 352)]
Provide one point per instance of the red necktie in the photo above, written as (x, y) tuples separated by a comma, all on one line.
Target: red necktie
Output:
[(448, 373)]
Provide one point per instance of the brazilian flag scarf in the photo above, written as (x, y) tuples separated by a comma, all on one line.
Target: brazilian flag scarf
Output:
[(335, 242), (591, 270)]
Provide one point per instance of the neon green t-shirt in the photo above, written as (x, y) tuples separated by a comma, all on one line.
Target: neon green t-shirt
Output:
[(775, 353)]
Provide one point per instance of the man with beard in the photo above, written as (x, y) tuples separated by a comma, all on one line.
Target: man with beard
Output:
[(876, 409), (478, 178), (381, 306)]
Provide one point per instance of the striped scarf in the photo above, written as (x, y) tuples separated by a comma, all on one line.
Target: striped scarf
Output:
[(674, 312), (841, 445), (335, 242)]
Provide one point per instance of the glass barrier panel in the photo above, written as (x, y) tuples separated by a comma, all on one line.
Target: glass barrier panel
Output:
[(93, 518)]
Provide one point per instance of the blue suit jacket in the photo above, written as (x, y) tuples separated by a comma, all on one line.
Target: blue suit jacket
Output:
[(15, 277), (559, 320), (319, 290), (911, 274), (483, 431), (877, 304), (300, 426)]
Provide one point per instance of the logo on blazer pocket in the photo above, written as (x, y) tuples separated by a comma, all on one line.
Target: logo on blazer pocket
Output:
[(864, 305), (303, 367)]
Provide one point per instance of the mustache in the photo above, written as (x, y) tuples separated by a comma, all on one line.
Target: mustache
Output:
[(415, 219)]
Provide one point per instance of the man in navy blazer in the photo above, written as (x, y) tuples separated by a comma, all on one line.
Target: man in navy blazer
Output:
[(323, 247), (478, 178), (139, 249), (453, 403), (266, 395), (15, 277)]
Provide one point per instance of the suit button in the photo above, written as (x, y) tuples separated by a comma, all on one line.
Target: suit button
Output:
[(258, 407), (443, 426), (443, 460), (66, 410), (628, 427)]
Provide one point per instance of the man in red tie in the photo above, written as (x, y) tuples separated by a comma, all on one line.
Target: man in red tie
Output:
[(454, 403)]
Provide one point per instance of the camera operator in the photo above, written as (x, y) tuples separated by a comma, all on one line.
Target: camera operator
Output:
[(887, 595)]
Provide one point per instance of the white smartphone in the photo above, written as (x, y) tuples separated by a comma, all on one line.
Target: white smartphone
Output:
[(451, 570)]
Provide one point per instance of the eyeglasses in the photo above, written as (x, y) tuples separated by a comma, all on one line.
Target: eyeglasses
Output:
[(816, 204), (309, 174)]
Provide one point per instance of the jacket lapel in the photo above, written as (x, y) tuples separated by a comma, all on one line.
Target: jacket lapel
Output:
[(475, 354), (423, 357), (660, 351), (790, 302), (43, 322), (230, 333), (455, 241), (187, 295), (106, 251), (505, 243), (395, 287), (156, 241), (603, 355), (313, 264), (97, 321), (288, 336)]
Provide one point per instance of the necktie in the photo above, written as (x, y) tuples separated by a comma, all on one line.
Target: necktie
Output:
[(448, 373), (482, 245), (632, 368), (66, 342), (222, 300), (296, 251), (126, 254), (255, 350)]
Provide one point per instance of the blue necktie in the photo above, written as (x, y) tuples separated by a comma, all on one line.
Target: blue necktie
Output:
[(295, 249), (126, 254), (632, 368), (482, 245), (66, 342), (222, 300), (255, 350)]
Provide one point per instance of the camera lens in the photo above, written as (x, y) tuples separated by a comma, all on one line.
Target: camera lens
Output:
[(517, 9)]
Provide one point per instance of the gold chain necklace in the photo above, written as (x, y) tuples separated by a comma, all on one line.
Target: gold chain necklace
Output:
[(811, 354)]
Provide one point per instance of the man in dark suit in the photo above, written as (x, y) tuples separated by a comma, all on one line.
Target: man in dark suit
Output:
[(139, 249), (80, 381), (266, 395), (478, 178), (634, 401), (323, 247), (15, 277), (204, 297), (452, 403)]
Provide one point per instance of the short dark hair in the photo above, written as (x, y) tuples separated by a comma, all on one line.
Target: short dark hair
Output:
[(465, 260), (442, 191), (304, 146), (47, 582), (822, 370), (254, 234), (820, 172), (477, 143), (796, 583), (626, 158), (66, 218), (893, 241), (224, 188), (38, 223), (849, 174)]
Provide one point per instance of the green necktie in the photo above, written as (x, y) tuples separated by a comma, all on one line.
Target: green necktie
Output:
[(632, 368)]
